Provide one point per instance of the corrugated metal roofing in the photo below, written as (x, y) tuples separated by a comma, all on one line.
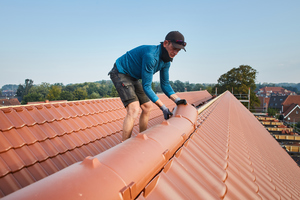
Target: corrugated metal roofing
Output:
[(220, 151), (39, 140)]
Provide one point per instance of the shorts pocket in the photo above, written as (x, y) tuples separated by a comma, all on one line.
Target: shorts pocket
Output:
[(126, 91)]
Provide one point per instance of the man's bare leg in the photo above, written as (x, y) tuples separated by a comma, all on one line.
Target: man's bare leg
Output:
[(132, 113), (144, 118)]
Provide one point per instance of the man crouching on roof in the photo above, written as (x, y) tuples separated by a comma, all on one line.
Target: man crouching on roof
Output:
[(141, 63)]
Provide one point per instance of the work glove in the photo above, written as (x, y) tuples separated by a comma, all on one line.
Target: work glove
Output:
[(179, 101), (166, 111)]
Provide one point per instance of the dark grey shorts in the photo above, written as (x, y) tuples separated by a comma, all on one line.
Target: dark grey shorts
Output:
[(129, 88)]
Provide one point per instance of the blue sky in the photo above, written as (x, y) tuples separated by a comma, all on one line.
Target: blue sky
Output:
[(69, 41)]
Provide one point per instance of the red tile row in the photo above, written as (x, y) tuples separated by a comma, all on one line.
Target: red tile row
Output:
[(18, 117)]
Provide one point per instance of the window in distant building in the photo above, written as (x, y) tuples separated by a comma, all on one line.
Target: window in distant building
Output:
[(296, 112)]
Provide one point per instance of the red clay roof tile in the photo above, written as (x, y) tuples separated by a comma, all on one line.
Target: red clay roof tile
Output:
[(25, 116), (23, 177), (14, 138), (38, 132), (54, 112), (12, 159), (5, 124), (4, 169), (45, 113), (68, 158), (4, 143), (9, 184), (26, 155), (37, 171), (35, 114), (13, 117), (49, 166), (59, 162), (77, 154)]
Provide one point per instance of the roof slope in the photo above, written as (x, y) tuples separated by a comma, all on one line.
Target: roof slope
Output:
[(291, 99), (39, 140), (218, 152), (9, 102)]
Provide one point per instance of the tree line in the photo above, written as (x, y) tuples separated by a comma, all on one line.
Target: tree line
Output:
[(28, 92), (237, 80)]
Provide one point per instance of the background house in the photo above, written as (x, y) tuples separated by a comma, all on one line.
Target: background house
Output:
[(9, 102), (290, 109), (276, 102), (292, 114), (273, 91), (289, 101)]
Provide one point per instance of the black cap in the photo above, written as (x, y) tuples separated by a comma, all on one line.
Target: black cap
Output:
[(177, 39)]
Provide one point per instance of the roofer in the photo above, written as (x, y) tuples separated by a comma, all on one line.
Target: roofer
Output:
[(141, 63)]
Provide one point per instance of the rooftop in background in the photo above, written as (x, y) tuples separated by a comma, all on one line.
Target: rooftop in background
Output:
[(9, 102), (272, 91)]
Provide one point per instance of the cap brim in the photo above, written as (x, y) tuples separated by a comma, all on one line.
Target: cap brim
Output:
[(178, 46)]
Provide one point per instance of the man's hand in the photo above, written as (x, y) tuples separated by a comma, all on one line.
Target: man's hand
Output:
[(179, 101), (166, 111)]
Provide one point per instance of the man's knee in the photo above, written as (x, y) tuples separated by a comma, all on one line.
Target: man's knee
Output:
[(147, 107), (133, 109)]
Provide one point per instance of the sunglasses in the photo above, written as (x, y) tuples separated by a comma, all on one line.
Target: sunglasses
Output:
[(180, 42)]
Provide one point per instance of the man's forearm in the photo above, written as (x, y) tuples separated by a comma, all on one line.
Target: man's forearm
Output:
[(173, 97), (159, 103)]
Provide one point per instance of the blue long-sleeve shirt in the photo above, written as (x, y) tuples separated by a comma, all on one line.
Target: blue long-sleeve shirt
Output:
[(141, 63)]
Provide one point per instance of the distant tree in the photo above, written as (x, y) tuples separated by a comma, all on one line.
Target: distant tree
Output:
[(95, 95), (42, 89), (272, 111), (80, 94), (32, 97), (70, 88), (66, 95), (197, 87), (210, 89), (0, 93), (178, 86), (114, 92), (92, 88), (188, 86), (239, 80), (54, 93), (20, 91), (24, 89)]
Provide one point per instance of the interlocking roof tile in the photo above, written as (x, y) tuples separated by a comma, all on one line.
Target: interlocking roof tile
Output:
[(37, 171), (24, 115), (221, 152), (13, 117), (35, 114), (23, 177)]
